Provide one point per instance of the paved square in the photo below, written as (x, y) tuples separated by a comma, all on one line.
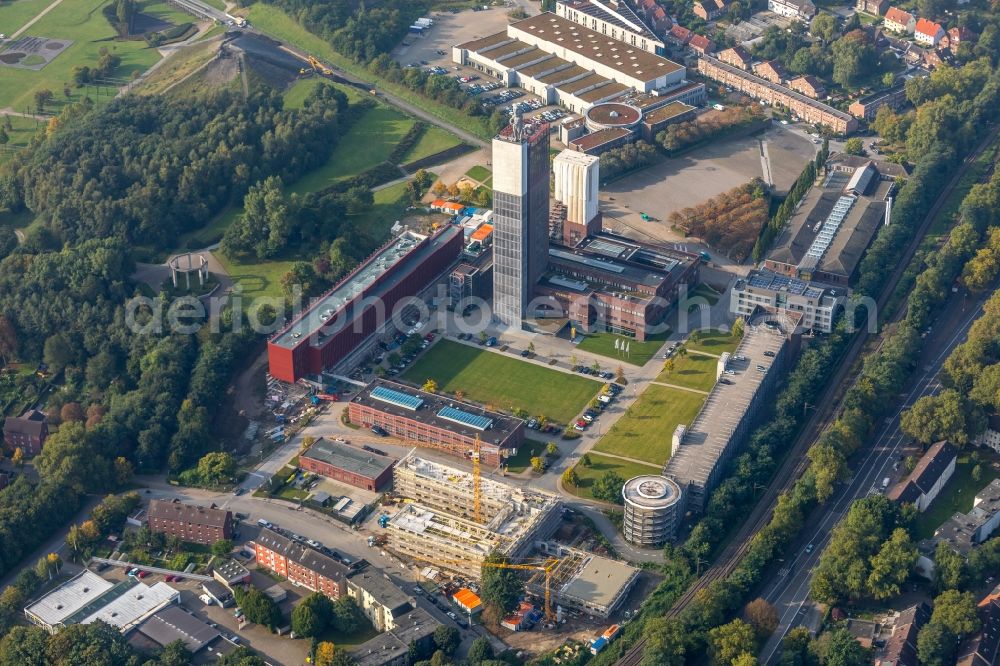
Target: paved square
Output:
[(33, 52)]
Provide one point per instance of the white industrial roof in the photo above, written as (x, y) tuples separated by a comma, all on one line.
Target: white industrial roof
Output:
[(69, 597), (135, 605)]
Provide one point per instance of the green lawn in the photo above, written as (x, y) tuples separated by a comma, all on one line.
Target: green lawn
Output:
[(639, 353), (503, 382), (389, 206), (365, 632), (16, 14), (695, 371), (366, 143), (601, 465), (281, 26), (479, 173), (712, 341), (22, 129), (166, 12), (296, 94), (218, 4), (433, 141), (522, 461), (83, 23), (256, 278), (956, 496), (645, 430), (706, 292)]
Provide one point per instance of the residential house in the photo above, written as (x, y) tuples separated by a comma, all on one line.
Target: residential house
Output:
[(983, 648), (659, 20), (189, 522), (991, 436), (808, 85), (736, 57), (867, 107), (770, 70), (709, 10), (896, 20), (300, 564), (679, 35), (379, 598), (803, 10), (876, 7), (928, 32), (958, 36), (965, 531), (701, 44), (901, 648), (927, 479), (26, 432)]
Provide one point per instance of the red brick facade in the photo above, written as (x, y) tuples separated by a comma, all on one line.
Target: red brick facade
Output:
[(331, 471), (301, 565), (193, 524)]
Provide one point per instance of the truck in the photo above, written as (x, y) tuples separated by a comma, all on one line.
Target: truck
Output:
[(885, 483), (598, 644)]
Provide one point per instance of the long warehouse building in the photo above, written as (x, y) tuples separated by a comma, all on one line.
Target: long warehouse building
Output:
[(566, 63), (337, 324)]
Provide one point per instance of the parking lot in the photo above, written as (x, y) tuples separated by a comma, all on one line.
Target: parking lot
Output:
[(434, 46)]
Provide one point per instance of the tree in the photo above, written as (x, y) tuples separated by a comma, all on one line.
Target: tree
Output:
[(312, 616), (956, 611), (669, 365), (949, 568), (824, 26), (947, 415), (446, 638), (346, 616), (609, 487), (841, 649), (854, 146), (439, 189), (620, 374), (216, 467), (4, 137), (551, 448), (935, 645), (892, 566), (729, 641), (18, 457), (430, 386), (259, 608), (42, 97), (570, 477), (500, 588), (537, 464), (123, 471), (222, 547), (585, 460), (977, 473), (667, 642), (739, 326), (762, 616)]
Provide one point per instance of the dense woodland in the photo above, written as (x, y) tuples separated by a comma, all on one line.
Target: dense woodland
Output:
[(730, 221)]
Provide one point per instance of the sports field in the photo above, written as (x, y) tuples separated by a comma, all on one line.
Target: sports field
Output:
[(503, 382), (645, 430), (85, 25), (601, 465)]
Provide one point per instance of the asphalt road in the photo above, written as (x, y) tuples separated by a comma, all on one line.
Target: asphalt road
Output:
[(789, 592)]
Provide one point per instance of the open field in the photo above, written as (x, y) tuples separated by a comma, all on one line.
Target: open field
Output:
[(16, 14), (639, 353), (279, 25), (256, 279), (601, 465), (695, 371), (22, 129), (478, 173), (366, 144), (503, 382), (296, 94), (85, 25), (956, 496), (180, 65), (433, 141), (644, 431), (712, 341)]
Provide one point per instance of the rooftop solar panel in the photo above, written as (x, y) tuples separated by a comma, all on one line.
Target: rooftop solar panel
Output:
[(466, 418), (593, 263), (397, 398)]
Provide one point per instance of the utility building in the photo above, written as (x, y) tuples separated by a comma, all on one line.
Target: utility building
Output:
[(577, 183)]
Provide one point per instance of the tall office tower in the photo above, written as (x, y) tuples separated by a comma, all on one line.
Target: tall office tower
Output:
[(520, 216), (577, 184)]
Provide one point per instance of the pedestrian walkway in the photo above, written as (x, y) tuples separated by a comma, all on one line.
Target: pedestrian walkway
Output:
[(680, 388)]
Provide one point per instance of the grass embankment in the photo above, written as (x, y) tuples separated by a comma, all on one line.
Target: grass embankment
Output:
[(644, 431)]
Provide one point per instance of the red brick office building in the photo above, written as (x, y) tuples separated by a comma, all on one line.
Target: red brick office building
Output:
[(300, 564), (348, 464), (436, 422), (187, 522), (338, 322)]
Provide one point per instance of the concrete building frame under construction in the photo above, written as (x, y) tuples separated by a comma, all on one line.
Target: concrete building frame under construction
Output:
[(438, 526)]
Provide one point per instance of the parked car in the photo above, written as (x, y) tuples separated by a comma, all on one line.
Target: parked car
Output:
[(381, 432)]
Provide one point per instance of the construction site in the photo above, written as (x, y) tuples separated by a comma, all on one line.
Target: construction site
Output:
[(454, 519)]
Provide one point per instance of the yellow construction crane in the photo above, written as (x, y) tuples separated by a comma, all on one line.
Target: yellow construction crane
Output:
[(477, 489), (548, 566)]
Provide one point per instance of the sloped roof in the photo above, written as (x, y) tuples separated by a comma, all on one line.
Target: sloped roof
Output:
[(188, 513), (928, 27), (897, 15)]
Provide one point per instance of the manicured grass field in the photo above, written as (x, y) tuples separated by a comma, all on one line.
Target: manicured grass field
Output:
[(389, 206), (956, 496), (166, 12), (695, 371), (522, 461), (601, 465), (16, 14), (639, 353), (644, 431), (281, 26), (257, 279), (478, 173), (712, 341), (433, 141), (296, 94), (83, 23), (502, 382), (367, 143)]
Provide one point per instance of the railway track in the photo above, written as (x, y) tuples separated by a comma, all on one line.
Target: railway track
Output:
[(795, 461)]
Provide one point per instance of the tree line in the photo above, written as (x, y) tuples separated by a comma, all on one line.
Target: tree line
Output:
[(679, 136), (731, 221)]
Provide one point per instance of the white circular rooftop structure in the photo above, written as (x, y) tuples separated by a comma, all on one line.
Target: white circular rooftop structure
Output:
[(651, 492), (612, 114), (652, 510)]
